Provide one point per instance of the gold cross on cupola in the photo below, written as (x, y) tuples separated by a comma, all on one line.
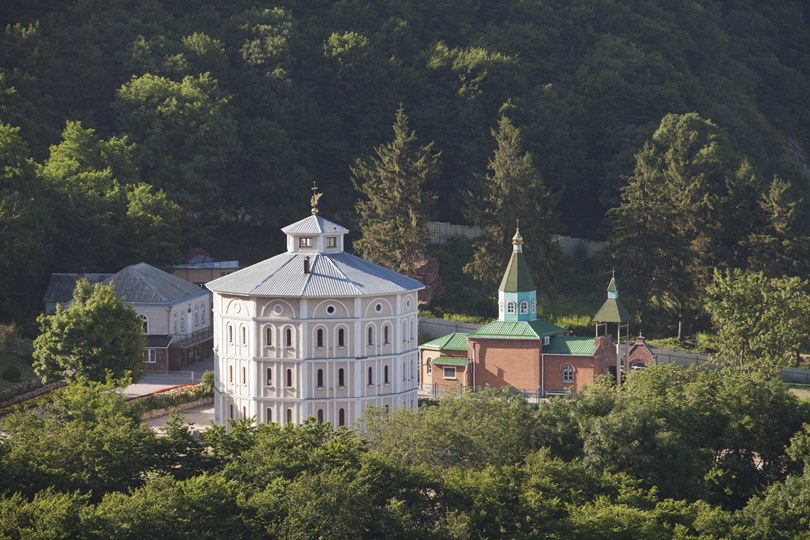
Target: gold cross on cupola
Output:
[(313, 201)]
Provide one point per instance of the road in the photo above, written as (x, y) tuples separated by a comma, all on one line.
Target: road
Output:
[(153, 382)]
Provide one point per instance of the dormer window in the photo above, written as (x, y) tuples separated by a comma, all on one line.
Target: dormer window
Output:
[(305, 242), (331, 241)]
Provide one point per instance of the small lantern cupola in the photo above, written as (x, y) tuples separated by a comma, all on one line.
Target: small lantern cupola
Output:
[(314, 234), (517, 295)]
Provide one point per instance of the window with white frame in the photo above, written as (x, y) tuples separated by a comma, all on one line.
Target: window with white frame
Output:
[(202, 314), (534, 306), (567, 373), (524, 307), (429, 365), (510, 308), (305, 242), (269, 377), (331, 241), (174, 321), (268, 336), (151, 356), (449, 372), (144, 324), (196, 316)]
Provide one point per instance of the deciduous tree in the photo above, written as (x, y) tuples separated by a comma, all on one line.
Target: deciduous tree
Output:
[(95, 337)]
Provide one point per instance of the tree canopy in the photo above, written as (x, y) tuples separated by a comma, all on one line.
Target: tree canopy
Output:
[(95, 337)]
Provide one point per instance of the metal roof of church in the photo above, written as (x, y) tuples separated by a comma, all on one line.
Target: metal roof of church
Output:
[(457, 341), (331, 274), (517, 330), (571, 345), (314, 225), (145, 284)]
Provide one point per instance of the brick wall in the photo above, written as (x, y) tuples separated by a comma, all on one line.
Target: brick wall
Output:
[(506, 362)]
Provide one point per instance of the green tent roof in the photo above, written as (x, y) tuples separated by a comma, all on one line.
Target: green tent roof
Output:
[(447, 361), (518, 277), (457, 341), (612, 311), (516, 330), (570, 345)]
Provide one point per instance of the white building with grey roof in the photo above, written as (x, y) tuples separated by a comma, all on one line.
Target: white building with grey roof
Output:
[(314, 332)]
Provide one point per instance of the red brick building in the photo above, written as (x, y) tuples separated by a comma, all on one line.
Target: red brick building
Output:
[(519, 350)]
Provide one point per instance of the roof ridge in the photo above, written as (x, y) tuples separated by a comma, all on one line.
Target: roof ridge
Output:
[(141, 277), (277, 270)]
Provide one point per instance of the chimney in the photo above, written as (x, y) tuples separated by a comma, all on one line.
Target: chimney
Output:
[(306, 264)]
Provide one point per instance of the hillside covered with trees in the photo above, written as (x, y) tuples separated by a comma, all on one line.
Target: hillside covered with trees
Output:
[(133, 129)]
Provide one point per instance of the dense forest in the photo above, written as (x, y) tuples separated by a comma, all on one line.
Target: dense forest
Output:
[(130, 130), (678, 454)]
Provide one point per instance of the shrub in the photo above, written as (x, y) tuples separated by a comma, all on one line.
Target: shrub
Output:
[(580, 325), (206, 388), (12, 374)]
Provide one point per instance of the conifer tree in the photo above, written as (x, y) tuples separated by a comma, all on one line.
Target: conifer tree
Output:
[(513, 189), (394, 208)]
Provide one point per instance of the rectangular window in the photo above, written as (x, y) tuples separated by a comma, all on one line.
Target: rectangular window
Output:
[(449, 373), (305, 242), (151, 356), (331, 241)]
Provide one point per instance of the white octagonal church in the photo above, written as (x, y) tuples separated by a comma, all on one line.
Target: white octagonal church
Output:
[(314, 332)]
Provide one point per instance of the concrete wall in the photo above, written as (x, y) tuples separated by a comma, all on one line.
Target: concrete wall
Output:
[(434, 328)]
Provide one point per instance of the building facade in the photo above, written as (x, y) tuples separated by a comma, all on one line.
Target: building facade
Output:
[(314, 333), (175, 314)]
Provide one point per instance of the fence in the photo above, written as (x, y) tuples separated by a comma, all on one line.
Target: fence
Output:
[(441, 232), (434, 328), (796, 375)]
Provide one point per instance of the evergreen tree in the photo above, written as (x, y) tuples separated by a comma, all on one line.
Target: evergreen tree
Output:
[(95, 336), (513, 189), (394, 209), (666, 230)]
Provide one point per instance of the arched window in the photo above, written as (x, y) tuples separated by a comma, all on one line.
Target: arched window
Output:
[(341, 378), (269, 376), (371, 335), (269, 414), (289, 377), (320, 415), (144, 324), (196, 315), (319, 338), (230, 374), (341, 417), (370, 375), (510, 308), (230, 334), (244, 335), (320, 378), (386, 409), (524, 307), (404, 328), (289, 415), (534, 306), (268, 336), (385, 335), (385, 374), (202, 314), (341, 338), (289, 337), (429, 365), (244, 412), (174, 322), (567, 373), (244, 375)]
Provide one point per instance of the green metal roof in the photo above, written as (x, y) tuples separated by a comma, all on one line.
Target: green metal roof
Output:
[(517, 330), (518, 277), (457, 341), (612, 311), (570, 345), (447, 361)]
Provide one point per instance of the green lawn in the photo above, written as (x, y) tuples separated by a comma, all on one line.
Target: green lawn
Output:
[(23, 364)]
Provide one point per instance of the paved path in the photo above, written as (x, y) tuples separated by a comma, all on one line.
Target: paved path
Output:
[(153, 382), (201, 418)]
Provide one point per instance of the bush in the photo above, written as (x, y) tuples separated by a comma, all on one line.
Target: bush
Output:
[(206, 388), (12, 374), (580, 325)]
